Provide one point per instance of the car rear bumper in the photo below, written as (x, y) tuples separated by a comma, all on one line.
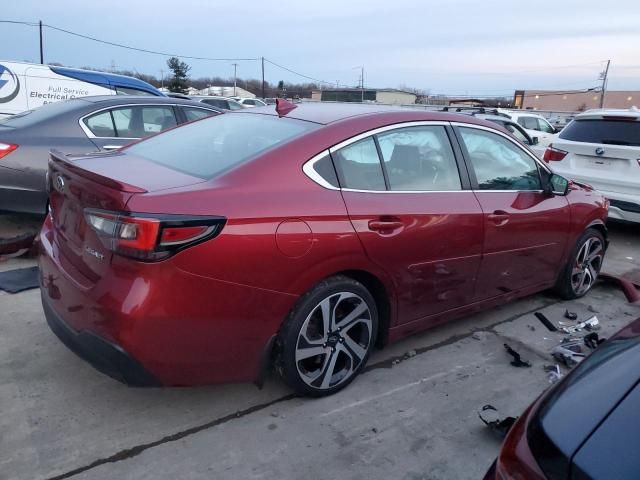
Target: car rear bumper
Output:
[(106, 357), (181, 328)]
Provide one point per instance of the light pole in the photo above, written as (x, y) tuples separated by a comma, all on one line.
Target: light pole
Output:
[(235, 67), (361, 82)]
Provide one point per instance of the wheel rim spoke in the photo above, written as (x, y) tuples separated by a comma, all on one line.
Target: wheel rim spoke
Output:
[(354, 349), (334, 340)]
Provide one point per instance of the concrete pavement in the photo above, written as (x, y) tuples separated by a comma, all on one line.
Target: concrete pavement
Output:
[(411, 415)]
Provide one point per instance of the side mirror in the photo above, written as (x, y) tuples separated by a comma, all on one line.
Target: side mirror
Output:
[(557, 185), (534, 141)]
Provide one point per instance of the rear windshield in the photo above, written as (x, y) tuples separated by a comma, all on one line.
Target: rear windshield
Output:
[(40, 114), (208, 147), (611, 132)]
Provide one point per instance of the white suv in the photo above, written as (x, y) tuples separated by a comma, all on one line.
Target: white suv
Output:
[(534, 124), (602, 148)]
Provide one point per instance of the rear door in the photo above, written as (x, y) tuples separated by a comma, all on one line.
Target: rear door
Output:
[(408, 201), (604, 152), (525, 229)]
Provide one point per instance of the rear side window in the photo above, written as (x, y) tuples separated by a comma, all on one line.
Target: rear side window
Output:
[(101, 125), (419, 158), (610, 132), (207, 148), (193, 113), (359, 166)]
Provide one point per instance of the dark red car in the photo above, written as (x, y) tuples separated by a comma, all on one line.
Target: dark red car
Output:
[(586, 427), (300, 239)]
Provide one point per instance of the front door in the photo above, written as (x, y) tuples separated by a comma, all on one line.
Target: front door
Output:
[(525, 229), (408, 203)]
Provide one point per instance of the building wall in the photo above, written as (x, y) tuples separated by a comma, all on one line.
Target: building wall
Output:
[(395, 98), (572, 102)]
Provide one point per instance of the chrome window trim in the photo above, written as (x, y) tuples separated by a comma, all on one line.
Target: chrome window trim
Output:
[(313, 175), (310, 172), (90, 134)]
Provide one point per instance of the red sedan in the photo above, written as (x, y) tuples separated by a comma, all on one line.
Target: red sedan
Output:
[(300, 238)]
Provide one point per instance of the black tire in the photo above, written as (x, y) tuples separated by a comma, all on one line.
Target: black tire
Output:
[(568, 284), (344, 350)]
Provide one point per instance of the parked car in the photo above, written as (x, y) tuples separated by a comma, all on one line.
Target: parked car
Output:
[(270, 101), (534, 124), (219, 102), (585, 427), (251, 102), (515, 129), (300, 237), (602, 148), (82, 125), (25, 86)]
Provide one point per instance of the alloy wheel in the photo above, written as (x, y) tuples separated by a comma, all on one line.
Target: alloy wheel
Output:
[(587, 265), (334, 340)]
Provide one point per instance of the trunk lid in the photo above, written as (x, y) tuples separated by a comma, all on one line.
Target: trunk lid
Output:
[(105, 182)]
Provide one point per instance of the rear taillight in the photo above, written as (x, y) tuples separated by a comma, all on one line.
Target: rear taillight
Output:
[(151, 237), (553, 154), (7, 148)]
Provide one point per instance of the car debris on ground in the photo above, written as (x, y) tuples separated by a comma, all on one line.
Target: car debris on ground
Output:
[(517, 360), (489, 415)]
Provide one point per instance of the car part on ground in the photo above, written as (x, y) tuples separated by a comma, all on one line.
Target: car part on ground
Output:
[(311, 206), (517, 360), (590, 324), (500, 426)]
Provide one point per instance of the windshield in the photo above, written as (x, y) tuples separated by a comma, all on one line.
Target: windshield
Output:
[(611, 132), (208, 147)]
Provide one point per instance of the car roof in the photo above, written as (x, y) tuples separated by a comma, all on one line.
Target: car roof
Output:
[(600, 113), (327, 113), (494, 118), (124, 99)]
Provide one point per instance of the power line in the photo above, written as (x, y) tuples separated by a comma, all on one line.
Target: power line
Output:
[(128, 47), (301, 74)]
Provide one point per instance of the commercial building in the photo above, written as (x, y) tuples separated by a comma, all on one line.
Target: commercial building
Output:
[(572, 100), (387, 96)]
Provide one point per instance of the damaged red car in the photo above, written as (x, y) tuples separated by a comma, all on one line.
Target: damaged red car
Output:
[(301, 238)]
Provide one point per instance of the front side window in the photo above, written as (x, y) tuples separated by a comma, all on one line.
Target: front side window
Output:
[(419, 158), (233, 105), (101, 125), (249, 102), (530, 123), (516, 132), (544, 126), (498, 163), (359, 167), (132, 91)]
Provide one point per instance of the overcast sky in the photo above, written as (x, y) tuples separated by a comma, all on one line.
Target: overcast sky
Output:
[(488, 47)]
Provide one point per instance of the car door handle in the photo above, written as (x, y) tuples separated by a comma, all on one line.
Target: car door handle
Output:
[(499, 218), (385, 226), (111, 147)]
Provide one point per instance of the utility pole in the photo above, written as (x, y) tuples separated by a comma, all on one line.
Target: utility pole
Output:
[(263, 77), (604, 83), (362, 82), (41, 49), (161, 78), (235, 67)]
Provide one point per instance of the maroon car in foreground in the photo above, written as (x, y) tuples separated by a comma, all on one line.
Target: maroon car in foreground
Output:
[(587, 426), (301, 238)]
